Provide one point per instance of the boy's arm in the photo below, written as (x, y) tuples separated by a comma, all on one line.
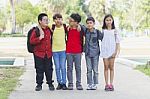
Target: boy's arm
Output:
[(83, 28), (100, 34)]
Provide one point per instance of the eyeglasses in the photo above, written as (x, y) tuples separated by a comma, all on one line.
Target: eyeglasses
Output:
[(45, 20)]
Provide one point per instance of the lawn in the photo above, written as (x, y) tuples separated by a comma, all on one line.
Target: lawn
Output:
[(144, 69), (9, 78)]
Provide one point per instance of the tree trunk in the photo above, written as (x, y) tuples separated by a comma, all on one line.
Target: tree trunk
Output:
[(13, 17)]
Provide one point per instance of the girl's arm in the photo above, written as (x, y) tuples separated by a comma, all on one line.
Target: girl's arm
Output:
[(117, 39)]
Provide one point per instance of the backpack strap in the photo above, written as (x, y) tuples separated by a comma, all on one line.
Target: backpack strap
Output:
[(66, 32)]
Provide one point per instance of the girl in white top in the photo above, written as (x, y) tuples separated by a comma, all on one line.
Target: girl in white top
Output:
[(110, 49)]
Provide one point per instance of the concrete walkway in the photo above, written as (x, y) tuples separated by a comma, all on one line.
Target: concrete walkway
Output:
[(129, 84)]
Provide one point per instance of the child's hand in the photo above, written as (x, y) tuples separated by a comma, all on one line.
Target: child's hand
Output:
[(41, 36), (79, 28), (114, 55)]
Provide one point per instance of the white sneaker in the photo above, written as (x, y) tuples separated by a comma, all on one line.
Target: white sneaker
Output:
[(89, 87), (94, 87)]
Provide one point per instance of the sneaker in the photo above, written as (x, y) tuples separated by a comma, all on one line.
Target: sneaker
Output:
[(64, 87), (89, 87), (59, 86), (94, 87), (70, 87), (106, 87), (79, 87), (38, 88), (51, 87), (111, 87)]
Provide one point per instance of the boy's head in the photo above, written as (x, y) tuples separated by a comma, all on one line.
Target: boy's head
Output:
[(43, 19), (75, 19), (90, 21), (57, 18)]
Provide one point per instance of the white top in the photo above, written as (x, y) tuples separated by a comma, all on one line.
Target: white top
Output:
[(108, 45)]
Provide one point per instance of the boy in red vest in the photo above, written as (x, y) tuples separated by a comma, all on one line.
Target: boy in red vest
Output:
[(43, 53)]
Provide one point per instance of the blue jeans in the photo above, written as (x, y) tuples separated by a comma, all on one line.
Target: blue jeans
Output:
[(92, 69), (60, 66)]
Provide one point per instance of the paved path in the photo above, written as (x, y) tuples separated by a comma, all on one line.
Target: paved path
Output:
[(129, 84)]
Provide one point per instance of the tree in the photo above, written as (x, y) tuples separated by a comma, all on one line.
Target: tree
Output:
[(13, 16), (25, 13), (2, 20)]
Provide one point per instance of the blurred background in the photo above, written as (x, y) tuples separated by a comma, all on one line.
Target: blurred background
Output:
[(132, 17)]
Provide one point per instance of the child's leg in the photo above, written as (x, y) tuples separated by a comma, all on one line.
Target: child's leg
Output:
[(106, 67), (77, 60), (95, 61), (49, 72), (89, 70), (39, 66), (57, 66), (62, 63), (111, 66), (70, 69)]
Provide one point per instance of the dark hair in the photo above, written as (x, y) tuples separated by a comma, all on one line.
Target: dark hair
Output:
[(90, 19), (41, 15), (104, 24), (76, 17), (57, 15)]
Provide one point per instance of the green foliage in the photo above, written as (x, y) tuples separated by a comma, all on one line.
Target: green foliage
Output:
[(8, 80), (26, 13), (144, 69), (3, 19)]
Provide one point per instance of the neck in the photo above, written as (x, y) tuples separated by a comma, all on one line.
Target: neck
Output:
[(43, 27), (91, 30), (74, 27), (58, 25), (109, 27)]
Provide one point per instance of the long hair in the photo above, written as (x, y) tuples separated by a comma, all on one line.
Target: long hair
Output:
[(104, 24)]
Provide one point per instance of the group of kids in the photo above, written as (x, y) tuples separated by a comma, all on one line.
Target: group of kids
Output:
[(66, 44)]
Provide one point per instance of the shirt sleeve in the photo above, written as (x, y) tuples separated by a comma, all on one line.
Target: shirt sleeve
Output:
[(100, 34), (34, 39), (83, 28), (117, 36)]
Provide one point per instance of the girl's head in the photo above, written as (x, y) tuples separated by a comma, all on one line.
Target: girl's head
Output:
[(90, 21), (108, 22)]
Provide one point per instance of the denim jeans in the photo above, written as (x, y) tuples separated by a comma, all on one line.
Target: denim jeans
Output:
[(92, 69), (60, 66), (76, 59)]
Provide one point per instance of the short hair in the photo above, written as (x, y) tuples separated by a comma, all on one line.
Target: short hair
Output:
[(90, 19), (57, 15), (76, 17), (41, 15)]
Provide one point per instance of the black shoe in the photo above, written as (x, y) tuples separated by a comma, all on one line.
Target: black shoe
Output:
[(64, 87), (51, 87), (59, 86), (38, 88)]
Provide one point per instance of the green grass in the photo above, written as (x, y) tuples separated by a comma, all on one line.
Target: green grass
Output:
[(144, 69), (8, 80), (12, 35)]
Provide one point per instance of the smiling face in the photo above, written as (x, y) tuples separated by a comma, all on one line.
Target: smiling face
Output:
[(109, 21), (72, 22), (44, 21), (90, 24), (58, 21)]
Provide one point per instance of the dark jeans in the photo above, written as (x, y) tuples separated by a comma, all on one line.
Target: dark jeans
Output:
[(43, 65)]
